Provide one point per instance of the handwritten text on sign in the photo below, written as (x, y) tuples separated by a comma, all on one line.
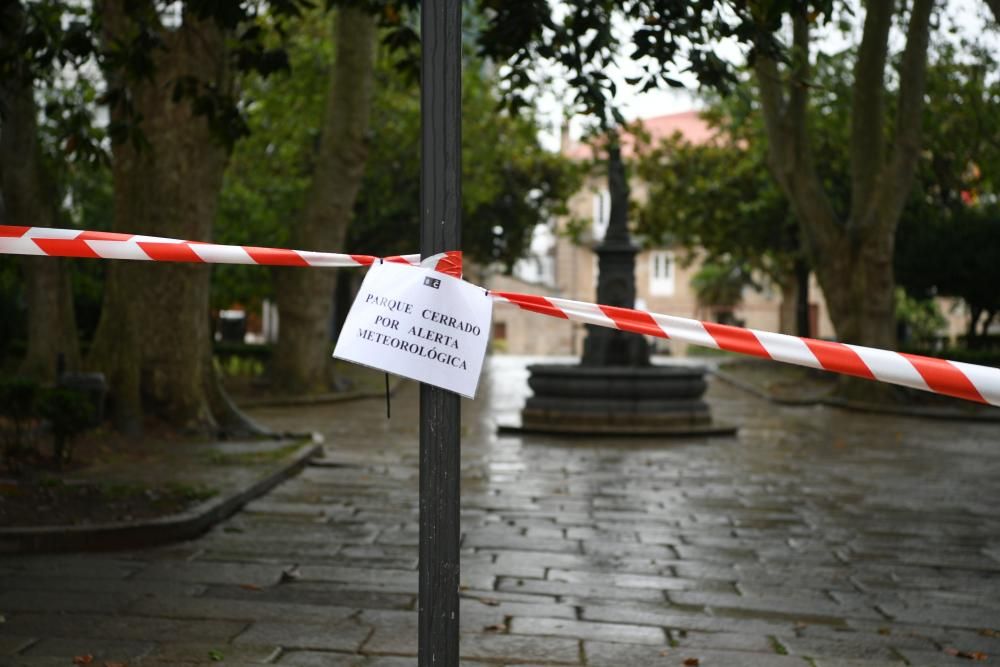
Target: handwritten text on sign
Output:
[(420, 324)]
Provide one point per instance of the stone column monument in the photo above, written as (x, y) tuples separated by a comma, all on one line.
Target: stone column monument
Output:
[(615, 389)]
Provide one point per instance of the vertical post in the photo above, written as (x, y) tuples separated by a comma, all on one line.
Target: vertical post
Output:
[(440, 229)]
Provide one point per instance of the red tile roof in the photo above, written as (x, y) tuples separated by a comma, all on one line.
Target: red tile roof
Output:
[(689, 124)]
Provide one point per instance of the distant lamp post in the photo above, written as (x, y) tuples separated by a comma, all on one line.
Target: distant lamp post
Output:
[(615, 278)]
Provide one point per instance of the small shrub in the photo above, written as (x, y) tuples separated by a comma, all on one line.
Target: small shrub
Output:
[(70, 413), (19, 398)]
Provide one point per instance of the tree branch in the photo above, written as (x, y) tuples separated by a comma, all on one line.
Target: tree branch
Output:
[(798, 88), (995, 8), (343, 146), (789, 155), (867, 117), (773, 109), (895, 183)]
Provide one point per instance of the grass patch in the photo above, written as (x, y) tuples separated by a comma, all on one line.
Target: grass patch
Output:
[(784, 381), (51, 501), (254, 458), (778, 647)]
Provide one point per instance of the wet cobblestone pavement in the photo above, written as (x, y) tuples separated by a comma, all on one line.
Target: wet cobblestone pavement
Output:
[(816, 537)]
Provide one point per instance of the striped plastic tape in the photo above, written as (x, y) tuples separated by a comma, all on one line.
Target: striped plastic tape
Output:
[(951, 378), (109, 245)]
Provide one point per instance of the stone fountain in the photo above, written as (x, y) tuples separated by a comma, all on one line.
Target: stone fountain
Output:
[(615, 389)]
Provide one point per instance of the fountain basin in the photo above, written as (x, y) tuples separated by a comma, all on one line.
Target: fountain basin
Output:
[(618, 400)]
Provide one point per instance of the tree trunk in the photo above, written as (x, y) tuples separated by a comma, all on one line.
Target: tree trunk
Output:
[(115, 350), (972, 333), (987, 323), (31, 198), (52, 329), (859, 285), (852, 255), (302, 360), (154, 336), (787, 311), (803, 312)]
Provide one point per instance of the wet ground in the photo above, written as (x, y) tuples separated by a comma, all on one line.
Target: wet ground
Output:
[(816, 536)]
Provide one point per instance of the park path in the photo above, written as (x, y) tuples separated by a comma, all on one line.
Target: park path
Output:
[(817, 537)]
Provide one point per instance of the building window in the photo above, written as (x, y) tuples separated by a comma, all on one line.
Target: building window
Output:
[(661, 273), (602, 214)]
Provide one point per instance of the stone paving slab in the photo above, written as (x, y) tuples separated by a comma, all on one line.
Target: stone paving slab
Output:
[(683, 621), (726, 641), (180, 607), (106, 650), (338, 595), (41, 601), (606, 654), (809, 539), (36, 661), (347, 635), (560, 627), (33, 586), (516, 648), (194, 653)]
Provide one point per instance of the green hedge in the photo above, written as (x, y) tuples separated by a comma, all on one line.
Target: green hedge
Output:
[(251, 350)]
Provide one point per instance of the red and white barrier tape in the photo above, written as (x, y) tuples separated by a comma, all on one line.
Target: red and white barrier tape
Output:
[(952, 378), (109, 245)]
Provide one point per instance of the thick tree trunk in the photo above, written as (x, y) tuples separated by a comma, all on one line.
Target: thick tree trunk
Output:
[(31, 198), (154, 337), (859, 285), (115, 350), (305, 296)]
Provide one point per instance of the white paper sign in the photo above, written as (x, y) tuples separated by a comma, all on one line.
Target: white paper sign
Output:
[(420, 324)]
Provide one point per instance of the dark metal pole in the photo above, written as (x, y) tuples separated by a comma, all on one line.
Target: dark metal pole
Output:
[(440, 229)]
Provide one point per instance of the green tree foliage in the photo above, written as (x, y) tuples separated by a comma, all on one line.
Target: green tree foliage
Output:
[(720, 285), (163, 72), (955, 253), (540, 41), (920, 320), (949, 239), (510, 183), (852, 251), (269, 172), (717, 200)]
